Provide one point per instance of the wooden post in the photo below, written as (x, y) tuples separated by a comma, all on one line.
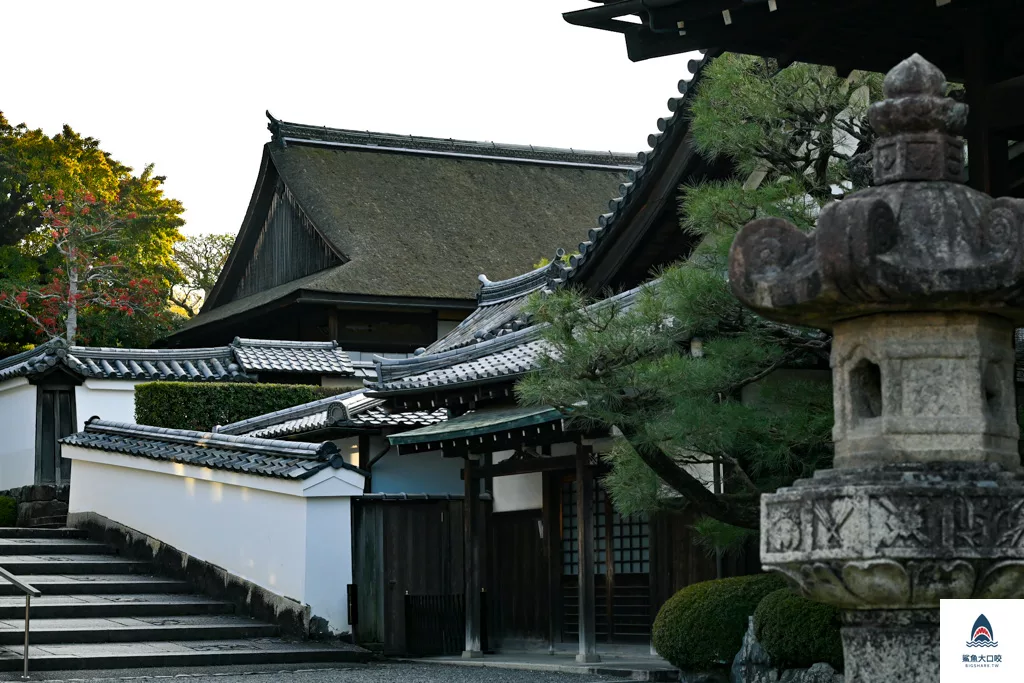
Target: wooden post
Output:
[(585, 510), (333, 325), (553, 543), (470, 516)]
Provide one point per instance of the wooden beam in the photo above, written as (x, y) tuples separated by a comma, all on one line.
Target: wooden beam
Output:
[(474, 578), (585, 508)]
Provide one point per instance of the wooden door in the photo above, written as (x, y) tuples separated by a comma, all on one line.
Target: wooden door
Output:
[(55, 419), (621, 570)]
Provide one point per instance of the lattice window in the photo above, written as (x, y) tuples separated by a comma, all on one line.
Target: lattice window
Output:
[(629, 537)]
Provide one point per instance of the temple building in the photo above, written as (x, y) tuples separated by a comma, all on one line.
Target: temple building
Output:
[(376, 241)]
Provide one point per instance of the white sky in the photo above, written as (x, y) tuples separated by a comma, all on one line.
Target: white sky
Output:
[(185, 84)]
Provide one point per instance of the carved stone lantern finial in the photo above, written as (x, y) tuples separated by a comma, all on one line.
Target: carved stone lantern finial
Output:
[(920, 280)]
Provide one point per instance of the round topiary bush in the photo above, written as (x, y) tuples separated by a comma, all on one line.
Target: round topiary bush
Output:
[(8, 511), (797, 632), (701, 627)]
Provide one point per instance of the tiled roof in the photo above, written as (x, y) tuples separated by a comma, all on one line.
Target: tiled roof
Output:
[(204, 365), (262, 355), (504, 358), (354, 410), (34, 361), (671, 130), (266, 457), (500, 309), (501, 359), (241, 361)]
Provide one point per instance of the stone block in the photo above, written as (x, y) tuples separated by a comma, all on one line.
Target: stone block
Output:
[(818, 673), (38, 493), (28, 512), (924, 387)]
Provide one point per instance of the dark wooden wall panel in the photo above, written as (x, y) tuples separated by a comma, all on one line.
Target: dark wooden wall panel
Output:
[(518, 589), (287, 248)]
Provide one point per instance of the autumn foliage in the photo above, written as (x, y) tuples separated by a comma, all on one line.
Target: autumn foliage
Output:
[(85, 233)]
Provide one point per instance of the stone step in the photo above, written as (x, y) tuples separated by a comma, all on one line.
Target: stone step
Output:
[(9, 532), (52, 546), (96, 584), (120, 605), (52, 522), (133, 629), (178, 654), (73, 563)]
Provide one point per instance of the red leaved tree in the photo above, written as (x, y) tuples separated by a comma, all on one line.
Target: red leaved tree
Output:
[(84, 234)]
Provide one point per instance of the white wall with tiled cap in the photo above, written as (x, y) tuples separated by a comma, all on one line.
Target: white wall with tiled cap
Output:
[(291, 537), (17, 433), (109, 399)]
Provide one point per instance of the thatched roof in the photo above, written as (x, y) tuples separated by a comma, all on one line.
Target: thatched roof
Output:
[(418, 217)]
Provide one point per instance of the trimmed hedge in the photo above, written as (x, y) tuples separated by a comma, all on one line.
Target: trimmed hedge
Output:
[(797, 632), (701, 627), (8, 511), (201, 406)]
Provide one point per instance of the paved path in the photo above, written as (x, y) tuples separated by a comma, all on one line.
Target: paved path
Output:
[(386, 672)]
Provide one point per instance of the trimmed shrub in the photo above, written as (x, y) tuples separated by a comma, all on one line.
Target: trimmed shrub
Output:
[(701, 627), (201, 406), (8, 511), (797, 632)]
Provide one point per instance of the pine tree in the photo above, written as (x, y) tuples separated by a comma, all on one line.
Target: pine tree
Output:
[(688, 376)]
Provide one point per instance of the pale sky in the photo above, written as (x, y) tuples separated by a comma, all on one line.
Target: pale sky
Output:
[(185, 84)]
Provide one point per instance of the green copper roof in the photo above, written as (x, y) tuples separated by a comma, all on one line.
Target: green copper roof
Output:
[(478, 423)]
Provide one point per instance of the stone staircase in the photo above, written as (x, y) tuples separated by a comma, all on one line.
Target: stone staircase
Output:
[(99, 610)]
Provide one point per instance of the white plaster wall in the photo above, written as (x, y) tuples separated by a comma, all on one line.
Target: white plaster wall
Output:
[(329, 560), (349, 449), (109, 399), (257, 535), (293, 538), (17, 433), (445, 326), (517, 491)]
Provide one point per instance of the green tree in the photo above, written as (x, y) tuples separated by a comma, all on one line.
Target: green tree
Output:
[(33, 166), (200, 259), (686, 373)]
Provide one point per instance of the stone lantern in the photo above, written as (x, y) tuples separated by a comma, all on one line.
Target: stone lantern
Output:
[(920, 279)]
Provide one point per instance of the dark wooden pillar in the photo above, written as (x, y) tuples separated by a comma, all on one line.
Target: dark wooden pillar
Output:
[(333, 325), (585, 509), (553, 537), (474, 578)]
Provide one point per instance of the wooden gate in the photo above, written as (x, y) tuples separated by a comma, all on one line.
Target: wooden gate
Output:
[(404, 546)]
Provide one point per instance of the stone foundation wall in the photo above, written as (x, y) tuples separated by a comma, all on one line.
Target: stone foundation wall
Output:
[(41, 504)]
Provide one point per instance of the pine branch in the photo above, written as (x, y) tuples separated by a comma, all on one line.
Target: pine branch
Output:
[(746, 516)]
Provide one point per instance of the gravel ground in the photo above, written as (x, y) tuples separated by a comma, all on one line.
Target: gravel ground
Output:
[(387, 672)]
